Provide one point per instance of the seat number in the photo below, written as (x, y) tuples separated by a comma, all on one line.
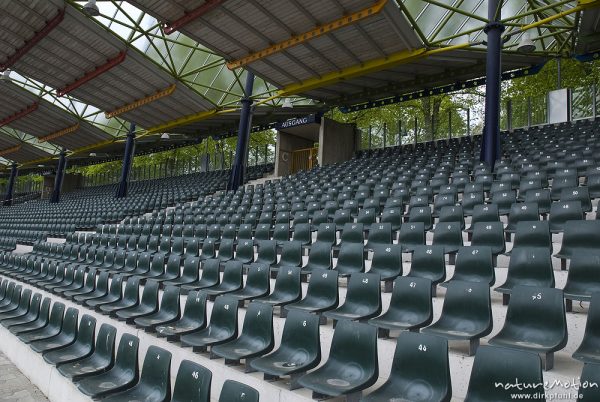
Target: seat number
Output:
[(423, 348)]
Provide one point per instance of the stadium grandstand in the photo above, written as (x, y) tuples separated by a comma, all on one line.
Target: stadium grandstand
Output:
[(203, 202)]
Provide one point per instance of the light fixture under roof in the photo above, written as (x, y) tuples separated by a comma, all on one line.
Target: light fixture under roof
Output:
[(287, 103), (92, 154), (91, 8), (525, 44), (5, 75), (165, 136), (40, 166)]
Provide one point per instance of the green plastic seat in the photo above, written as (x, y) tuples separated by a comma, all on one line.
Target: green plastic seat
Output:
[(31, 314), (449, 236), (267, 253), (579, 238), (535, 322), (193, 318), (452, 213), (421, 214), (532, 234), (466, 314), (223, 326), (583, 279), (363, 299), (318, 258), (589, 349), (113, 295), (80, 349), (387, 263), (411, 235), (256, 338), (71, 283), (302, 233), (281, 233), (63, 275), (299, 351), (155, 382), (32, 321), (528, 266), (209, 249), (497, 365), (245, 251), (172, 271), (19, 305), (157, 267), (291, 256), (258, 284), (489, 234), (148, 304), (193, 383), (321, 294), (429, 262), (352, 365), (210, 277), (353, 233), (580, 194), (411, 307), (474, 264), (562, 212), (287, 289), (420, 371), (350, 259), (64, 337), (232, 280), (169, 311), (45, 327), (130, 297), (326, 233), (590, 377), (100, 360), (100, 289), (191, 269), (121, 376), (234, 391), (526, 211)]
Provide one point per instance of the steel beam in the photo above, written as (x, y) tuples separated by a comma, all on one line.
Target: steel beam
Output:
[(11, 185), (59, 133), (309, 35), (10, 150), (205, 8), (127, 162), (35, 39), (141, 102), (58, 180), (93, 74), (29, 109), (238, 170)]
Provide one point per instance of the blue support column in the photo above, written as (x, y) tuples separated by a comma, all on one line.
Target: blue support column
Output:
[(238, 169), (11, 185), (58, 180), (490, 147), (127, 162)]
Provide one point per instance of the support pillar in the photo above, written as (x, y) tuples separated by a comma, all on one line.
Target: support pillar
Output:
[(490, 147), (11, 185), (58, 180), (127, 162), (238, 169)]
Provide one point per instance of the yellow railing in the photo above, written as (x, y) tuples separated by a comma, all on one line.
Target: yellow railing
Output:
[(303, 159)]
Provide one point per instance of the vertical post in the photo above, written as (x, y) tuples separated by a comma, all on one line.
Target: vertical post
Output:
[(127, 162), (594, 101), (529, 117), (11, 185), (490, 147), (384, 135), (58, 180), (449, 124), (237, 171), (370, 137), (266, 153), (399, 140), (416, 129), (432, 128), (558, 73), (469, 122)]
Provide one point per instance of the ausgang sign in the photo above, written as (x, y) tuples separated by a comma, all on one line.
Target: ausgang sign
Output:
[(299, 121)]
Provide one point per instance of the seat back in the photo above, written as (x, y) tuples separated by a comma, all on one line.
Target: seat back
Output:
[(291, 254), (474, 264), (428, 262), (156, 373), (411, 235), (193, 383), (224, 314), (489, 234), (127, 355), (132, 290), (530, 266), (497, 365), (350, 259), (105, 343), (287, 283), (364, 293), (234, 391), (170, 301), (258, 324), (320, 256), (355, 344)]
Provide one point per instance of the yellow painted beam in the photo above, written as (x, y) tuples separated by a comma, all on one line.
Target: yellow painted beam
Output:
[(581, 5), (141, 102), (92, 147), (59, 133), (192, 118), (371, 66), (10, 150), (312, 34)]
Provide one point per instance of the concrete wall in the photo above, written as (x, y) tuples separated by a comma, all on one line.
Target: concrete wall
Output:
[(286, 143), (337, 142)]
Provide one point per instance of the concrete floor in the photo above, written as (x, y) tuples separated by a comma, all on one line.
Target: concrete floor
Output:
[(14, 386)]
